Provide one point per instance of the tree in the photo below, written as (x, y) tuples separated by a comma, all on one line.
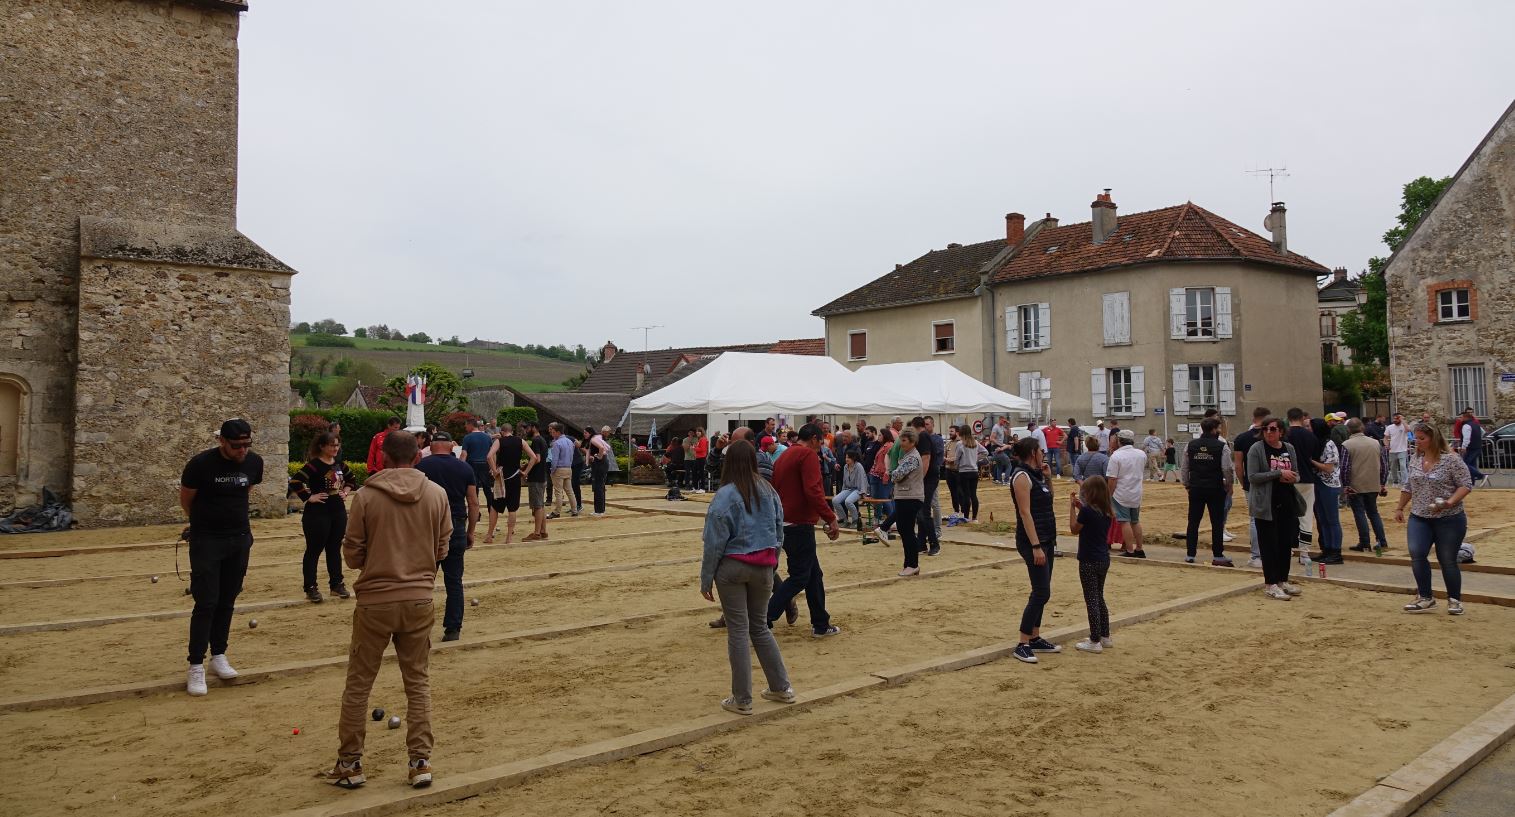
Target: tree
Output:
[(419, 337), (301, 328), (378, 332), (358, 372), (322, 365), (342, 367), (396, 335), (360, 332), (329, 327), (444, 392), (1366, 331)]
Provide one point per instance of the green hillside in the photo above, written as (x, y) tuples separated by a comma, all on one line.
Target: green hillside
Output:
[(528, 373)]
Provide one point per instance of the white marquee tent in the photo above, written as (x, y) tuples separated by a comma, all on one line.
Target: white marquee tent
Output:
[(938, 386), (746, 383)]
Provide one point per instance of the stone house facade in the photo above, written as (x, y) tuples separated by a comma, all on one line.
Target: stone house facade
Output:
[(134, 318), (1145, 317), (1451, 291)]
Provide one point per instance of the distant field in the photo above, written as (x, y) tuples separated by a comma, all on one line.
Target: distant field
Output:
[(528, 373)]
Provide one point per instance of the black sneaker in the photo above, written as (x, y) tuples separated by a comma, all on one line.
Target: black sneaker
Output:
[(1139, 553), (1222, 561), (1188, 560), (1331, 559), (314, 596), (1040, 644), (1023, 653), (935, 551), (1361, 548), (452, 635), (341, 592)]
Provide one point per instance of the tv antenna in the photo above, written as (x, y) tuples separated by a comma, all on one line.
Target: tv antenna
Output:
[(1272, 173), (646, 330)]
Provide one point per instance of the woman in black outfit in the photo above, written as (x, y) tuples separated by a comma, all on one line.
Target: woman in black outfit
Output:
[(1272, 472), (323, 483), (1035, 537)]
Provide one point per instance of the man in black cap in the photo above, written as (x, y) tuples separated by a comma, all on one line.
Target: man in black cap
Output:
[(457, 479), (214, 494)]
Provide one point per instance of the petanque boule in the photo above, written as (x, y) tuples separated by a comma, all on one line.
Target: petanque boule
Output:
[(155, 580), (394, 721), (378, 713), (475, 602), (252, 624)]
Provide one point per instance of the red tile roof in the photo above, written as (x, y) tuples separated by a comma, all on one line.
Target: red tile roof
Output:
[(1186, 232), (619, 374), (801, 346)]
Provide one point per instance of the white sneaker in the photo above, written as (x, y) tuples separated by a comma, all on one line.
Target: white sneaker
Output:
[(1420, 605), (1276, 592), (784, 696), (910, 571), (1089, 646), (882, 534), (1107, 642), (196, 683), (1291, 589), (1227, 537), (1254, 563), (1454, 606), (222, 668)]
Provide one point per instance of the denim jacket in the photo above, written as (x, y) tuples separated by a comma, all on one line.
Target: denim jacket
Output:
[(731, 529)]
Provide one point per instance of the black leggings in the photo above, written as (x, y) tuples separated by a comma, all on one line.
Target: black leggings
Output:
[(1091, 576), (1041, 587), (908, 514), (953, 491), (1276, 539), (967, 492), (323, 528)]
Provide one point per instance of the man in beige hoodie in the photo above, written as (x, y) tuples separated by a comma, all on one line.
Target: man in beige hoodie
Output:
[(397, 531)]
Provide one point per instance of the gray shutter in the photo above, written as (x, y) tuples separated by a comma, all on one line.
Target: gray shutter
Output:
[(1097, 390), (1117, 318), (1176, 313), (1044, 326), (1180, 388), (1223, 312), (1138, 391), (1012, 331), (1225, 387)]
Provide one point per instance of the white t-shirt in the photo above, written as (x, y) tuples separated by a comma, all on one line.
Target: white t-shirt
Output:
[(1398, 436), (1104, 439), (1041, 438), (1126, 467)]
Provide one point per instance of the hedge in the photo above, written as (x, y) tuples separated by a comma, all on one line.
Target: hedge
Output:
[(358, 427), (515, 415)]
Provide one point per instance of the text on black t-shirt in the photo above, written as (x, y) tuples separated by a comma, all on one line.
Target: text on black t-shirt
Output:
[(221, 490)]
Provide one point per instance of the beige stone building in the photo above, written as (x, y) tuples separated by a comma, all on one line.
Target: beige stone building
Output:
[(1143, 317), (1452, 292), (134, 317), (1337, 298)]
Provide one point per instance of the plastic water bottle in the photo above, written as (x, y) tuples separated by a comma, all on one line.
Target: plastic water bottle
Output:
[(1304, 561)]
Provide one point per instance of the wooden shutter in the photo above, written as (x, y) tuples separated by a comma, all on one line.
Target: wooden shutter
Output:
[(1180, 388), (1225, 387), (857, 345), (1138, 391), (1223, 312), (1044, 326), (1012, 331), (1097, 390), (1176, 315), (1117, 315)]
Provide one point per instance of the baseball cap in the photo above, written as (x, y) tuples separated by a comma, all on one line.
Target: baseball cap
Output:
[(1127, 434), (1337, 417), (235, 429), (766, 440), (441, 437)]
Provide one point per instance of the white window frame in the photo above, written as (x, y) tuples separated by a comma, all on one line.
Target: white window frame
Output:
[(850, 333), (1035, 337), (934, 325), (1468, 386), (1197, 405), (1194, 319), (1120, 396), (1447, 301)]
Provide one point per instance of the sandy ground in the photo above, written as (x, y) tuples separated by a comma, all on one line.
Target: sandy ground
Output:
[(1241, 707), (169, 754)]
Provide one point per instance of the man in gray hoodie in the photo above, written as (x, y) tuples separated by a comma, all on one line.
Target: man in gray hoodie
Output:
[(397, 533)]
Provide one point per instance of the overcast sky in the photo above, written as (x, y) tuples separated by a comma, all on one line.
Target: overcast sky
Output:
[(563, 172)]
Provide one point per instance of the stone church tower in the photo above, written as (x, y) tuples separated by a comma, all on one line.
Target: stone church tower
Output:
[(134, 317)]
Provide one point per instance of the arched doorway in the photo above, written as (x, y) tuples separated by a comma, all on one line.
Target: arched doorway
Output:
[(12, 408)]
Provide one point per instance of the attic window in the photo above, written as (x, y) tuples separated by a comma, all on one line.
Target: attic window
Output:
[(1238, 232), (1052, 249), (1126, 237)]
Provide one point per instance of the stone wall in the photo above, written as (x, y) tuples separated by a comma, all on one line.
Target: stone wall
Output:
[(179, 329), (1466, 241), (112, 108)]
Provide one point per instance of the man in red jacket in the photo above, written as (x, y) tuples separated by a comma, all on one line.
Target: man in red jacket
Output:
[(797, 477), (376, 446)]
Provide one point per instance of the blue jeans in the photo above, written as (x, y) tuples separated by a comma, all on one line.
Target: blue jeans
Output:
[(1471, 458), (845, 505), (1364, 511), (1055, 459), (1399, 467), (879, 489), (1445, 533), (1328, 519), (452, 574)]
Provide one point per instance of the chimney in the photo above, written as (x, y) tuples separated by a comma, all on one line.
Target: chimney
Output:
[(1103, 216), (954, 246), (1015, 228), (1049, 221), (1279, 227), (1339, 275), (608, 352)]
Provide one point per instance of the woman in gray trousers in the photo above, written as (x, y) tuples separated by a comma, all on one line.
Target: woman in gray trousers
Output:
[(743, 531)]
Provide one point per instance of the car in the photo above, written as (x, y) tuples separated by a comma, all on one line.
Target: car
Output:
[(1499, 448)]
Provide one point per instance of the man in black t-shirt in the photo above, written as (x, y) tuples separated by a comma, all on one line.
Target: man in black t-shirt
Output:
[(505, 463), (536, 483), (213, 492), (457, 479), (1308, 447)]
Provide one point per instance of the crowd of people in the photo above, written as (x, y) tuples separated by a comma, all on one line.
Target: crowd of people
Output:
[(420, 509)]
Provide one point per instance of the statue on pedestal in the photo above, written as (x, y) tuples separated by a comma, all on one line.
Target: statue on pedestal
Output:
[(415, 403)]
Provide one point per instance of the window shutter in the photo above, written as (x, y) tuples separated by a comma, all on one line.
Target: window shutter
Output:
[(1012, 331), (1225, 385), (1044, 326), (1028, 386), (1180, 388), (1044, 388), (1097, 389), (1138, 391), (1223, 312), (1176, 315), (1117, 314)]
